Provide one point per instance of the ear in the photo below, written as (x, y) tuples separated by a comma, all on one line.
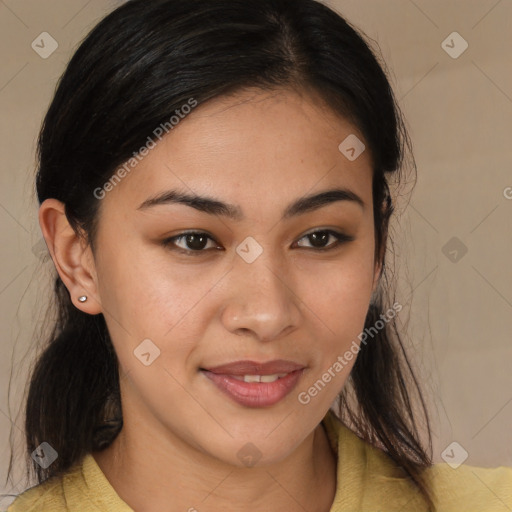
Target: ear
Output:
[(71, 256)]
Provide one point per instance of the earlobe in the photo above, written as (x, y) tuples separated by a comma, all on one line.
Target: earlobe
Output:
[(71, 256)]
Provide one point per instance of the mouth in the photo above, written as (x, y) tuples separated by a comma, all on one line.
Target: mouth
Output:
[(253, 384)]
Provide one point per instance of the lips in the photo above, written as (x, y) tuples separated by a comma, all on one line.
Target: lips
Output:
[(253, 384), (241, 368)]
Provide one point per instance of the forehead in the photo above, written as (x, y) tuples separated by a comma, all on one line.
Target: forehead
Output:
[(250, 146)]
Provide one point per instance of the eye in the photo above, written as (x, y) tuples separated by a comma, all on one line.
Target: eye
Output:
[(319, 239), (193, 242)]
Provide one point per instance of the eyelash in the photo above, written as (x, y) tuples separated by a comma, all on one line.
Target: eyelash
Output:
[(341, 238)]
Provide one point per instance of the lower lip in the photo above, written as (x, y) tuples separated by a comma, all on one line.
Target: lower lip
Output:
[(255, 394)]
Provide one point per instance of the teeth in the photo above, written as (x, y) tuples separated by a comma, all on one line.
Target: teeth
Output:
[(264, 378), (271, 378), (252, 378)]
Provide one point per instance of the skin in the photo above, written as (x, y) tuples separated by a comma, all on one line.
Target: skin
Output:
[(178, 447)]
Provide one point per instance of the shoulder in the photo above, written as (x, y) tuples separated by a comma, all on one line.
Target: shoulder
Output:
[(468, 488), (375, 479), (475, 488), (82, 488), (46, 496)]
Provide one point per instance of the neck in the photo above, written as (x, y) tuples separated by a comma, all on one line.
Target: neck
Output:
[(178, 477)]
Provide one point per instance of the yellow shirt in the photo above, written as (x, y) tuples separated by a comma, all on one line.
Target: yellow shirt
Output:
[(367, 481)]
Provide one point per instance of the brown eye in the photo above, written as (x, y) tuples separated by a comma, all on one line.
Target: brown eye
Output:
[(193, 242), (320, 239), (196, 242)]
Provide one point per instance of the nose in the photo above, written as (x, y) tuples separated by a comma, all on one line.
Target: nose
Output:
[(260, 301)]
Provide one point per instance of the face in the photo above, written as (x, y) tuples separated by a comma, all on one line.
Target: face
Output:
[(268, 276)]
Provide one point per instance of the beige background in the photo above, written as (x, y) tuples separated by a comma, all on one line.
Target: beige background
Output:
[(459, 112)]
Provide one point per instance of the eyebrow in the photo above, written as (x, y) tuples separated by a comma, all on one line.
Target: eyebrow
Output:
[(214, 206)]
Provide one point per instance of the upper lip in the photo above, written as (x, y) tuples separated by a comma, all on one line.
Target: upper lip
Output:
[(254, 368)]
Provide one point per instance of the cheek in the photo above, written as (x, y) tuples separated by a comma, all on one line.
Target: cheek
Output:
[(345, 291), (338, 294), (340, 306), (340, 309), (339, 291), (145, 297)]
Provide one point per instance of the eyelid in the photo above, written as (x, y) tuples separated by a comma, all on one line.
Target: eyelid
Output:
[(325, 230)]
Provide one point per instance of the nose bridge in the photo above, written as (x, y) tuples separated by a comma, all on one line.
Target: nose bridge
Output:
[(260, 299)]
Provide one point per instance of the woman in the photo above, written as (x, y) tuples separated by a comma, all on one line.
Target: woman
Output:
[(214, 188)]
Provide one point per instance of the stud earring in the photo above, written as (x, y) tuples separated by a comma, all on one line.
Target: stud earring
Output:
[(83, 298)]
